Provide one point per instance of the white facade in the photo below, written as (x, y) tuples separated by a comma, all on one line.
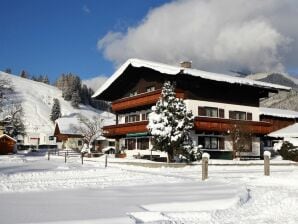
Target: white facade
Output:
[(39, 139), (227, 142), (194, 104)]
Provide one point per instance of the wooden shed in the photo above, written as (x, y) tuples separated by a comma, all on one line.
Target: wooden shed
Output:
[(7, 144)]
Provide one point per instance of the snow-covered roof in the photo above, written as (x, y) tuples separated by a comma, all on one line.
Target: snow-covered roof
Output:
[(278, 112), (287, 132), (5, 135), (174, 70), (67, 125)]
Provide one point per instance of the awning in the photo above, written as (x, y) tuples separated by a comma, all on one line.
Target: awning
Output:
[(138, 134)]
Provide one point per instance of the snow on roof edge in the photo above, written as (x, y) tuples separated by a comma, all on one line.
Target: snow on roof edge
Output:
[(174, 70), (289, 131), (278, 112), (5, 135)]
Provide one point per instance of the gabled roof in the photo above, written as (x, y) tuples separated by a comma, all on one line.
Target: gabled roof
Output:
[(7, 136), (67, 125), (175, 70), (287, 132), (274, 112)]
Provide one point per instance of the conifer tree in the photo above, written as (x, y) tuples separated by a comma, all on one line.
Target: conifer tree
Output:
[(75, 99), (56, 110), (24, 74), (170, 124)]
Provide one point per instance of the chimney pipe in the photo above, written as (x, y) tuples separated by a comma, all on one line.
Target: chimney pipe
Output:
[(185, 64)]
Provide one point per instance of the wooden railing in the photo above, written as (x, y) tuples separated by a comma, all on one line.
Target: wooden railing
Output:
[(143, 99), (123, 129), (200, 124), (226, 125)]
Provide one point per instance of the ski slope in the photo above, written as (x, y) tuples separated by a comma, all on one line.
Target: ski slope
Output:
[(37, 100)]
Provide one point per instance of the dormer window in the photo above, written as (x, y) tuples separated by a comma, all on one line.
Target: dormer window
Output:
[(150, 88), (133, 93)]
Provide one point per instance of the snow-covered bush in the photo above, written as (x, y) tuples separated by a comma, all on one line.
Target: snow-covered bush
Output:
[(288, 151), (170, 124)]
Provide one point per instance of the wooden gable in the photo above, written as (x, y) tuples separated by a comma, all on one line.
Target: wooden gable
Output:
[(6, 144)]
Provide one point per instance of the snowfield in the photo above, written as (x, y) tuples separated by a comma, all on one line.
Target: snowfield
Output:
[(35, 190), (37, 100)]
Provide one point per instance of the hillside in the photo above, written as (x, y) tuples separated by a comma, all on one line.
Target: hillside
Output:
[(37, 99), (282, 100)]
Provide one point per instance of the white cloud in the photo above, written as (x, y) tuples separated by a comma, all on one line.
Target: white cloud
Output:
[(86, 9), (215, 35), (96, 82)]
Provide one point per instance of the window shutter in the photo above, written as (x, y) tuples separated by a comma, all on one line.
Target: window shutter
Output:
[(202, 111), (221, 113), (232, 115), (221, 143), (249, 116)]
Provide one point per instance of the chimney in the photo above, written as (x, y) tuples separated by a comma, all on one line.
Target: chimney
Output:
[(185, 64)]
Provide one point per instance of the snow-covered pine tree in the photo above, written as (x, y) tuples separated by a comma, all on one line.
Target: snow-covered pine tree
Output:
[(56, 110), (170, 124), (75, 99)]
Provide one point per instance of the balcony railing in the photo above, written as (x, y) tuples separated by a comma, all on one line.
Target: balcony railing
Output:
[(226, 125), (200, 124), (143, 99), (124, 129)]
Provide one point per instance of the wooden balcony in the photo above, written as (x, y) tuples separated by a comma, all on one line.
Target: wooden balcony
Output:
[(140, 100), (124, 129), (225, 125)]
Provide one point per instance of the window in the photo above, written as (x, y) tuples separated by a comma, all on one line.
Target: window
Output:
[(240, 115), (145, 116), (130, 143), (80, 143), (211, 112), (143, 143), (111, 143), (210, 142), (150, 88), (133, 118)]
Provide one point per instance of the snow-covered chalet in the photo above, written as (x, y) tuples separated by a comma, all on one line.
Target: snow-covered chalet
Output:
[(218, 102)]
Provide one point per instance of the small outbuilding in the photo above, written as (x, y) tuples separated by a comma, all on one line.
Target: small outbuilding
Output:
[(7, 144)]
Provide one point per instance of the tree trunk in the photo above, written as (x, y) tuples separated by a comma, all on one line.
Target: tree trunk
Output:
[(170, 156)]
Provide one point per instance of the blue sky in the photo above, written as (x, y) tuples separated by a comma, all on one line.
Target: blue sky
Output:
[(60, 36), (56, 36)]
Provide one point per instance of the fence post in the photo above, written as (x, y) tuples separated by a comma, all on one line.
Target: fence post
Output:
[(82, 155), (65, 157), (267, 156), (48, 154), (106, 161), (205, 158)]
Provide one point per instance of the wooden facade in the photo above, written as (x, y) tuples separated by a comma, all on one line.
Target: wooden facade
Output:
[(7, 144), (141, 100), (226, 125), (121, 130), (278, 122)]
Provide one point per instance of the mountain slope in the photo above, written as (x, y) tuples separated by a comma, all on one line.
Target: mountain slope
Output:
[(37, 100), (282, 100)]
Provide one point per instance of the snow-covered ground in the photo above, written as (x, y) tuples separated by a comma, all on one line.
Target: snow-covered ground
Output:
[(35, 190)]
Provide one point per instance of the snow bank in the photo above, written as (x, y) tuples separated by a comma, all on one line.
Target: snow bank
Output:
[(267, 153)]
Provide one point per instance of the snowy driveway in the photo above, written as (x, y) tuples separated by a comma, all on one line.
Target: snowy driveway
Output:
[(34, 190)]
